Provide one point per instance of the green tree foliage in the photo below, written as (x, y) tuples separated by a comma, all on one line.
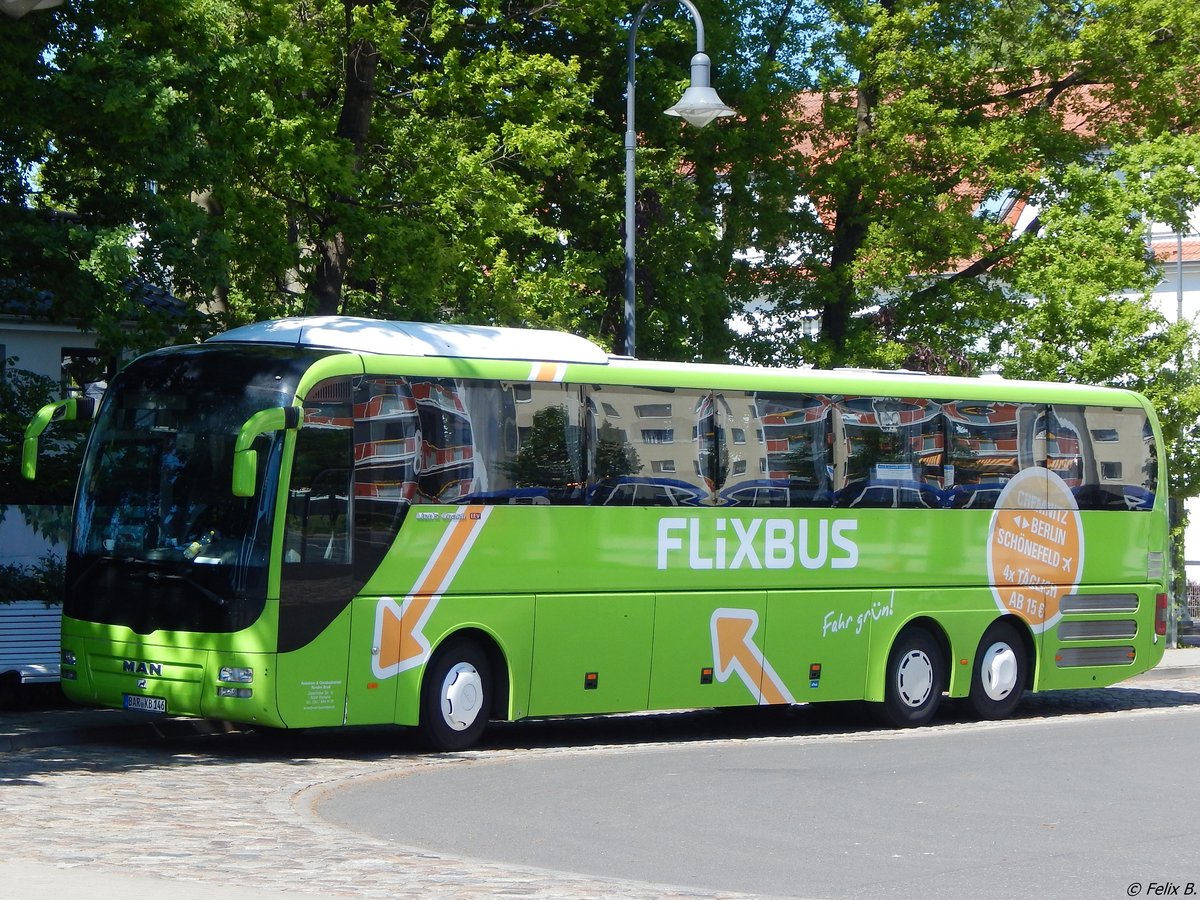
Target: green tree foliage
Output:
[(1119, 341), (921, 110), (463, 162), (923, 130), (285, 157), (415, 160), (45, 580)]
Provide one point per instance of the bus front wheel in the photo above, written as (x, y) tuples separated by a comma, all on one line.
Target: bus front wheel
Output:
[(998, 679), (455, 696), (916, 677)]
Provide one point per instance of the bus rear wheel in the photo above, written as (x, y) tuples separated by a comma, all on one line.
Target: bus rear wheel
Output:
[(456, 696), (998, 679), (915, 679)]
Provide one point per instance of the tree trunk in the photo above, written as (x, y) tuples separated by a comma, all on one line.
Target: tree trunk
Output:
[(849, 235), (354, 124), (852, 216)]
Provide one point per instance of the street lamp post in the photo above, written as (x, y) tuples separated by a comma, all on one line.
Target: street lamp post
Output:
[(698, 106)]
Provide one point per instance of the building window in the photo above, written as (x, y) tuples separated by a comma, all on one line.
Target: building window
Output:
[(653, 410), (658, 435)]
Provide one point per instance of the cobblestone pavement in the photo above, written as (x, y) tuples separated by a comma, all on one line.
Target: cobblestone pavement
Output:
[(228, 810)]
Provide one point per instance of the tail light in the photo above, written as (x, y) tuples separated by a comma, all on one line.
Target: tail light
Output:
[(1160, 615)]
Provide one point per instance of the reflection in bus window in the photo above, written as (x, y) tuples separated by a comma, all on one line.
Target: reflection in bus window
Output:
[(989, 443), (1064, 449), (446, 451), (1103, 455), (786, 462), (546, 463), (888, 452), (458, 441), (651, 447), (386, 440)]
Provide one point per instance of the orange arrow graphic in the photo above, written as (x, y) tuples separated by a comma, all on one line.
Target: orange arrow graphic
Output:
[(399, 628), (734, 650)]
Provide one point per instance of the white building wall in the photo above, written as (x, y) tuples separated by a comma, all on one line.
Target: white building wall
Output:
[(38, 346)]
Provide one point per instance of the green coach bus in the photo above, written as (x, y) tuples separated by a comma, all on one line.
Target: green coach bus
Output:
[(334, 521)]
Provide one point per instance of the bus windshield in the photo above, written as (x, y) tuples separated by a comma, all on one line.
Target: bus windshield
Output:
[(160, 541)]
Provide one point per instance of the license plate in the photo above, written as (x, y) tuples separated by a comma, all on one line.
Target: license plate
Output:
[(138, 703)]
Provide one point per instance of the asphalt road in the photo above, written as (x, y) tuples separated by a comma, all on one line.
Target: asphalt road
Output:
[(1066, 807), (1084, 794)]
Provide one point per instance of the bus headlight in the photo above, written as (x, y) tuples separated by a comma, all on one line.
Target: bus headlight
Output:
[(239, 693), (235, 674), (68, 657)]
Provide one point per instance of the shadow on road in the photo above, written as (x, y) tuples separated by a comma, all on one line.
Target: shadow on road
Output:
[(303, 749)]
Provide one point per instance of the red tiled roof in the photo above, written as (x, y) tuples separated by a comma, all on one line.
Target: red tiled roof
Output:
[(1166, 250)]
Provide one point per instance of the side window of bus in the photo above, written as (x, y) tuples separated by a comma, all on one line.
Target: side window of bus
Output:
[(774, 449), (532, 453), (317, 529), (386, 443), (888, 453), (1103, 455), (989, 443), (446, 457), (651, 447)]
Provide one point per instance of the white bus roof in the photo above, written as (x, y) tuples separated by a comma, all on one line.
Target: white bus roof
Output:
[(420, 339)]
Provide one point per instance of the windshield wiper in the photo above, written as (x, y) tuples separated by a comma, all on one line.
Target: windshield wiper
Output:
[(196, 586)]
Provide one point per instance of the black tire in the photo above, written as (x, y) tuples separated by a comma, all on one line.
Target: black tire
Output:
[(11, 691), (1000, 672), (456, 696), (914, 681)]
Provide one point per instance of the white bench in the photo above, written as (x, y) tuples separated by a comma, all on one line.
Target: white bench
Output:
[(29, 641)]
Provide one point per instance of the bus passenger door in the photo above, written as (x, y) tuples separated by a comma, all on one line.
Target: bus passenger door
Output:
[(386, 442), (317, 579), (371, 678)]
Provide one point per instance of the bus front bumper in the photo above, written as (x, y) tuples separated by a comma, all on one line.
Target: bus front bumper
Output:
[(157, 679)]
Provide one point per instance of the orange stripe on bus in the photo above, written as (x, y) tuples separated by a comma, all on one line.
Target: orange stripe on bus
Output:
[(453, 548), (547, 372)]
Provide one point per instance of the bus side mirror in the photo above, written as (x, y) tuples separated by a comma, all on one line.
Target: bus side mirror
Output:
[(73, 408), (245, 459)]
